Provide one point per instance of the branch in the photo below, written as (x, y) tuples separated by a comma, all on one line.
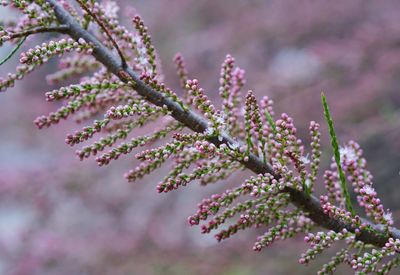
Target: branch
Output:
[(60, 29), (307, 203)]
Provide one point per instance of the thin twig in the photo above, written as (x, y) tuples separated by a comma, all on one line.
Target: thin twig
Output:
[(98, 21), (59, 29)]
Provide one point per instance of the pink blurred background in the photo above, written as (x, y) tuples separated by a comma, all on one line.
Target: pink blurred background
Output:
[(62, 216)]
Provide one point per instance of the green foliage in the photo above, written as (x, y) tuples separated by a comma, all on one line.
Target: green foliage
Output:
[(336, 153)]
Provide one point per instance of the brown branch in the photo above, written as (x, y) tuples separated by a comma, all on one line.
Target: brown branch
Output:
[(60, 29), (98, 21), (309, 204)]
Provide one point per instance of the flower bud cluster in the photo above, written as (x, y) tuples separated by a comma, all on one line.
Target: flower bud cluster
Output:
[(235, 102), (285, 146), (368, 262), (212, 205), (4, 36), (373, 206), (261, 215), (41, 54), (339, 213), (181, 71), (331, 181), (162, 152), (146, 40), (234, 150), (134, 108), (253, 125), (265, 210), (212, 166), (207, 148), (97, 97), (100, 125), (65, 111), (188, 138), (143, 169), (288, 147), (217, 126), (266, 207), (315, 150), (361, 179), (320, 242), (267, 113), (121, 132), (83, 88), (284, 139), (289, 224), (262, 185), (198, 98), (20, 73), (230, 212), (266, 105), (226, 83), (288, 177), (89, 96), (127, 147), (87, 132), (183, 160), (108, 141)]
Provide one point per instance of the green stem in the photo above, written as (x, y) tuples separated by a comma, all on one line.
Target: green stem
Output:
[(13, 51), (270, 121), (336, 153)]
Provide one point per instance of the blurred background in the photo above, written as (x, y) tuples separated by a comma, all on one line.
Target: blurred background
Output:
[(62, 216)]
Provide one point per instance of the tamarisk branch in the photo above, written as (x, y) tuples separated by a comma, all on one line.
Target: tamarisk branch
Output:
[(308, 203)]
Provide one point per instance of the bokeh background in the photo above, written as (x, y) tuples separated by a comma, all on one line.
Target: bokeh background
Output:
[(62, 216)]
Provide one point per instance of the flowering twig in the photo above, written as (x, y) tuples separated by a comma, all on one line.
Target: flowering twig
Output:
[(58, 29), (101, 25), (309, 204)]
